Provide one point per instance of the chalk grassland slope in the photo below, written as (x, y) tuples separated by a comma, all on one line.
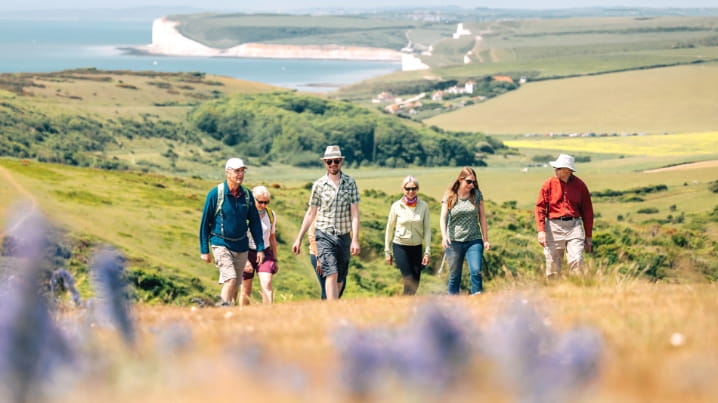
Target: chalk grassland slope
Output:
[(666, 100), (543, 48), (228, 30), (113, 94), (540, 49), (665, 353)]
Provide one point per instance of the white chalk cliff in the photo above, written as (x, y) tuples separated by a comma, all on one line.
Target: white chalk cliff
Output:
[(166, 40)]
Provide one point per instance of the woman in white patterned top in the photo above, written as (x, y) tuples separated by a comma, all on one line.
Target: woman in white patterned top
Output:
[(464, 232)]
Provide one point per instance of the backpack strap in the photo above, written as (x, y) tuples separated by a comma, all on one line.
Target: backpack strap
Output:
[(271, 216), (220, 198), (218, 210)]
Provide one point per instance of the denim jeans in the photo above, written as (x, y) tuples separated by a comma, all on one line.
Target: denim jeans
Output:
[(473, 252)]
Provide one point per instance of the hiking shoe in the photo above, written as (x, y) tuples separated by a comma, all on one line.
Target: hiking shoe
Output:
[(222, 303)]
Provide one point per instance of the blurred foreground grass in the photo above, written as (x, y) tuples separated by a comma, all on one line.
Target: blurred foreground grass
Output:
[(658, 344)]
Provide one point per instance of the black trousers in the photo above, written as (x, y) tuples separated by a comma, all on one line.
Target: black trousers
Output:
[(408, 260)]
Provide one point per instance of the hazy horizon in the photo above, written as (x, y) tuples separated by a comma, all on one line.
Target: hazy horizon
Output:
[(289, 5)]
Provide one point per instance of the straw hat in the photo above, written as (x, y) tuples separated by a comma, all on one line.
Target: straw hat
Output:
[(332, 152)]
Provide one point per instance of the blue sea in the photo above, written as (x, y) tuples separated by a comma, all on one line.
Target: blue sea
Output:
[(51, 45)]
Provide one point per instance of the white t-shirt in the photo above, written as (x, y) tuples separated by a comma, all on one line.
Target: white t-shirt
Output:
[(268, 228)]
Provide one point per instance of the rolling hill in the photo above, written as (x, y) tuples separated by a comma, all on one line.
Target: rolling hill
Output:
[(662, 100)]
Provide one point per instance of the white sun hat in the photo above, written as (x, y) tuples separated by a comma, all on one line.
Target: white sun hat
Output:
[(564, 161)]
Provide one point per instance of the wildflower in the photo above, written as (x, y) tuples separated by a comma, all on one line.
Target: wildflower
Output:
[(538, 363), (31, 345), (111, 286), (677, 339), (428, 354)]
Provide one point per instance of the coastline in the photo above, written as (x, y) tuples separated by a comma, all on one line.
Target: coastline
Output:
[(168, 41)]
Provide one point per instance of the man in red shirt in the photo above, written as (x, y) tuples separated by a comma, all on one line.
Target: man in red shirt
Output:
[(564, 217)]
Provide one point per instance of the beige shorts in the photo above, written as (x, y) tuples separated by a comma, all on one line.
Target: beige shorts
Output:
[(230, 264)]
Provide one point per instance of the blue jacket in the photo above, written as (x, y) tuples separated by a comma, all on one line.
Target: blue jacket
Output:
[(237, 214)]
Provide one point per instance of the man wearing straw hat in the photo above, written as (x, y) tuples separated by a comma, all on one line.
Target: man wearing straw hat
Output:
[(564, 217), (334, 202)]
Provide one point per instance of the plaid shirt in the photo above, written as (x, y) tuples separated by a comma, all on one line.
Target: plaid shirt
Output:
[(333, 213)]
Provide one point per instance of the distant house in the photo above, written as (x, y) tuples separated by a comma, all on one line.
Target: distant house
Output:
[(437, 96), (383, 97), (505, 79), (469, 87), (393, 108)]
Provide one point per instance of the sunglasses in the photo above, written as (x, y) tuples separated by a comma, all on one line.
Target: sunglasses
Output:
[(334, 161), (411, 189), (470, 181), (263, 201)]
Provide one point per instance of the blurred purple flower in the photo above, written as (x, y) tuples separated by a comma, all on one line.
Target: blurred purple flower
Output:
[(538, 363), (173, 339), (108, 274), (428, 354), (31, 345), (254, 359)]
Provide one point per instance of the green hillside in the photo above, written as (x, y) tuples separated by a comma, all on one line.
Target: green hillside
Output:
[(536, 49), (153, 220), (665, 100), (228, 30), (187, 122)]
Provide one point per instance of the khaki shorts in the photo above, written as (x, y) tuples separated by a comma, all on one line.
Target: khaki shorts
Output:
[(230, 263)]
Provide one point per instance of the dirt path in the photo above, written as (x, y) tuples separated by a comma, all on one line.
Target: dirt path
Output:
[(682, 167), (29, 201)]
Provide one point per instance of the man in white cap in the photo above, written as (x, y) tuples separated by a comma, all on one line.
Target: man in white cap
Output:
[(564, 217), (227, 210), (334, 202)]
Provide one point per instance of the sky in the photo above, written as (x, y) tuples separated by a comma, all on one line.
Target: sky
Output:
[(288, 5)]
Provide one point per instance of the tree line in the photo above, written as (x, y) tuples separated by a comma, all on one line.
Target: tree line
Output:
[(294, 129), (279, 127)]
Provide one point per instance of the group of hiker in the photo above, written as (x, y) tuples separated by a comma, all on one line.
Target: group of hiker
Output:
[(238, 228)]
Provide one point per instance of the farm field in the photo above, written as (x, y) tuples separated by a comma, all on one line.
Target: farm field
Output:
[(641, 341), (643, 101)]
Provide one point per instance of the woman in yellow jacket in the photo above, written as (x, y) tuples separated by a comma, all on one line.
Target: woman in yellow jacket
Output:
[(408, 234)]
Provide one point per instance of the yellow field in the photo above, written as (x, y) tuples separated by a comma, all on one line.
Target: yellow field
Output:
[(694, 144), (657, 345), (664, 100)]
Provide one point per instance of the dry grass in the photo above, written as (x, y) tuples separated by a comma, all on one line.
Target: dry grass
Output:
[(637, 321)]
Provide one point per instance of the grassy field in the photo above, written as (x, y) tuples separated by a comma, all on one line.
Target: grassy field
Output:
[(666, 100), (153, 218), (228, 30), (109, 95), (656, 343)]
